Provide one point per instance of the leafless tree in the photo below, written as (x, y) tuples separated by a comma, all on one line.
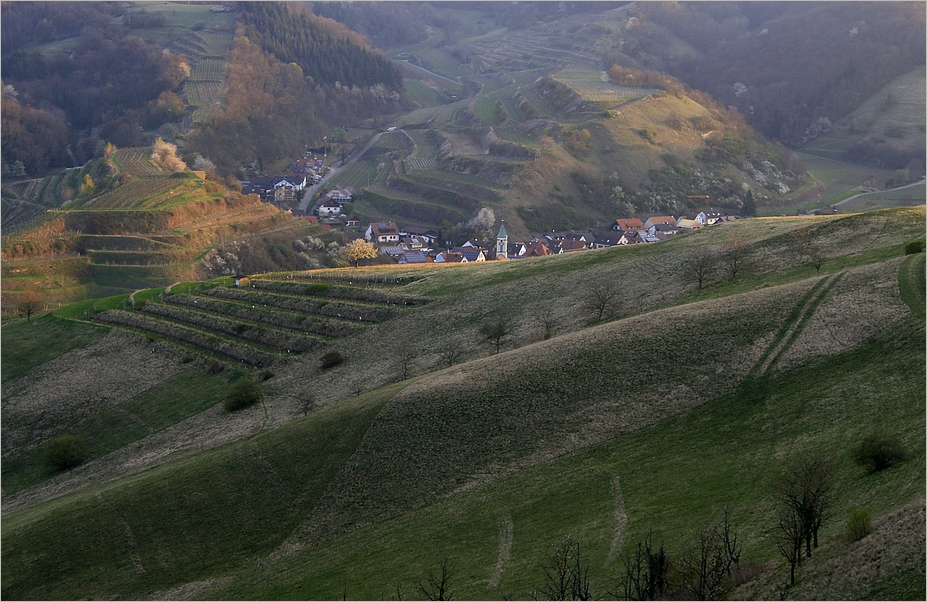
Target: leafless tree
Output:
[(565, 575), (28, 303), (404, 359), (700, 266), (789, 535), (703, 566), (451, 352), (437, 586), (602, 301), (802, 239), (644, 574), (816, 259), (308, 403), (805, 491), (735, 255), (497, 329), (548, 320)]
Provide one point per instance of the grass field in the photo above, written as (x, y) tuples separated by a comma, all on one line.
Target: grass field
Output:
[(492, 461)]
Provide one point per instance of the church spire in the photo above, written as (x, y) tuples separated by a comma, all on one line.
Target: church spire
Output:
[(502, 242)]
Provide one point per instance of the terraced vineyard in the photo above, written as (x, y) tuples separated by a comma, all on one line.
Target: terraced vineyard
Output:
[(135, 162), (206, 85), (266, 323), (27, 200)]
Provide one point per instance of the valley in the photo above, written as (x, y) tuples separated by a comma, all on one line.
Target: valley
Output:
[(215, 388)]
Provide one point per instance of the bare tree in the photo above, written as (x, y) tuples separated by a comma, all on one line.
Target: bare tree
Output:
[(308, 403), (804, 496), (603, 301), (703, 566), (644, 575), (437, 586), (700, 266), (802, 239), (404, 359), (451, 352), (789, 535), (28, 303), (735, 255), (548, 320), (565, 575), (816, 259), (497, 329)]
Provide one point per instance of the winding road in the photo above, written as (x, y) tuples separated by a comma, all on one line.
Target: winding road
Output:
[(304, 205)]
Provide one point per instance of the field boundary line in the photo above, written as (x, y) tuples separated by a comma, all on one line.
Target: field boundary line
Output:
[(911, 293)]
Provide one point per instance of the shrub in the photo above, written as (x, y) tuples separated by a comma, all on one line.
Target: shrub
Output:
[(859, 525), (65, 451), (330, 360), (245, 392), (916, 246), (267, 375), (879, 452), (215, 367), (186, 359)]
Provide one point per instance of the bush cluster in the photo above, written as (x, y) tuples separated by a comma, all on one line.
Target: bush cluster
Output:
[(330, 360), (879, 452), (859, 524), (245, 392), (916, 246), (65, 451)]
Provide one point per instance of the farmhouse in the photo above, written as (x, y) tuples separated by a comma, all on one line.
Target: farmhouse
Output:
[(628, 224), (330, 208), (382, 232)]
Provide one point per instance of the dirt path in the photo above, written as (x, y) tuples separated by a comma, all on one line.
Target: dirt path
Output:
[(506, 535), (621, 524)]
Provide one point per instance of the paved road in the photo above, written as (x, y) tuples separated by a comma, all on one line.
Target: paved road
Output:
[(310, 192), (918, 183)]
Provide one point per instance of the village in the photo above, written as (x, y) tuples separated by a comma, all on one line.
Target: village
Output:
[(412, 244)]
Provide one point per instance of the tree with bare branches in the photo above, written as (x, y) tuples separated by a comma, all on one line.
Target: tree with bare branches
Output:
[(644, 574), (28, 303), (735, 255), (566, 577), (451, 352), (548, 321), (802, 239), (437, 587), (497, 329), (700, 266), (602, 301)]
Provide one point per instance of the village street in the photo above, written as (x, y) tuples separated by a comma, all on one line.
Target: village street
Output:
[(304, 205)]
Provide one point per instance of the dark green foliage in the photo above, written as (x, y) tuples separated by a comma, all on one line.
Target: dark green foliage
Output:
[(267, 375), (186, 359), (916, 246), (245, 392), (215, 367), (879, 452), (65, 451), (296, 37), (330, 360), (859, 524)]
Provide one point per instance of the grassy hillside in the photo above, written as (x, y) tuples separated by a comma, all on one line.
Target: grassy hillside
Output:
[(353, 482)]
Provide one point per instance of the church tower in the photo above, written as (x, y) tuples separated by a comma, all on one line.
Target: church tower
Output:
[(502, 243)]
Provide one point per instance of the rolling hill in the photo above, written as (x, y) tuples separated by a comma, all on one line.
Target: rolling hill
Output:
[(357, 480)]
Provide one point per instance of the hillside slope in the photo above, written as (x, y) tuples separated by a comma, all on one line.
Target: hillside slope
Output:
[(600, 433)]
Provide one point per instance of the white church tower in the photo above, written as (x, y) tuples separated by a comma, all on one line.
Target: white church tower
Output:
[(502, 243)]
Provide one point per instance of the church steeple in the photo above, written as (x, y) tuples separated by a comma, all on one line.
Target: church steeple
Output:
[(502, 242)]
